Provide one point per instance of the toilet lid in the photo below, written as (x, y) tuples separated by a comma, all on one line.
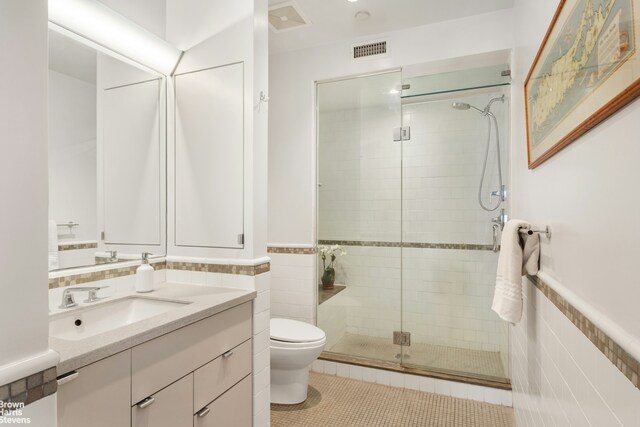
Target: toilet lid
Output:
[(295, 331)]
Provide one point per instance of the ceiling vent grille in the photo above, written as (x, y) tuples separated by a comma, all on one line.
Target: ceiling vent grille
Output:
[(370, 49)]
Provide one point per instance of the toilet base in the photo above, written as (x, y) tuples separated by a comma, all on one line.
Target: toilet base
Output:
[(289, 386)]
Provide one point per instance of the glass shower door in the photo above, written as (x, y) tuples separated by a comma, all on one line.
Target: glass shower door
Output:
[(359, 208), (447, 259)]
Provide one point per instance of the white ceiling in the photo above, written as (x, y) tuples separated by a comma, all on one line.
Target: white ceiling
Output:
[(334, 20)]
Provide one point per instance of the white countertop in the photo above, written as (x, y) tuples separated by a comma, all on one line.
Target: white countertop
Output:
[(204, 301)]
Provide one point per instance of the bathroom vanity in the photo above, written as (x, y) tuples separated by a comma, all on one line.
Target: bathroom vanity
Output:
[(188, 366)]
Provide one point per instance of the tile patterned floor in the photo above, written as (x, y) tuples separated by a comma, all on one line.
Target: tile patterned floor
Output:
[(342, 402), (449, 359)]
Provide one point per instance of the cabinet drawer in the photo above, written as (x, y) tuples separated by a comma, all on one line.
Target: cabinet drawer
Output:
[(217, 376), (170, 407), (97, 394), (231, 409), (165, 359)]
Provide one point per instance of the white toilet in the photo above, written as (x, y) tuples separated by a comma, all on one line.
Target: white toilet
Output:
[(294, 347)]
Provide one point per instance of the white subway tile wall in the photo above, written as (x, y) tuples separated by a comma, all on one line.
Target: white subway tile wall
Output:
[(415, 382), (441, 168), (445, 298), (359, 174), (426, 188), (560, 378), (76, 257), (293, 291), (422, 191), (111, 287), (261, 349)]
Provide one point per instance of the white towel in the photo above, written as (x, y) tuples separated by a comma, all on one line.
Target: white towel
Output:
[(519, 254), (53, 245)]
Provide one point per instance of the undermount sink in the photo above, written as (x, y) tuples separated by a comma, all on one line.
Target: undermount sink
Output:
[(93, 320)]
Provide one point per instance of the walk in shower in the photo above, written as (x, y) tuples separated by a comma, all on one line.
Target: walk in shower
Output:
[(399, 175)]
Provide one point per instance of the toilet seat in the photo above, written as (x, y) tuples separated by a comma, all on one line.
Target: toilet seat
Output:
[(288, 333)]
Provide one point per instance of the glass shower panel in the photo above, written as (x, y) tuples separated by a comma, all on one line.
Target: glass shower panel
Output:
[(448, 263), (457, 81), (359, 208)]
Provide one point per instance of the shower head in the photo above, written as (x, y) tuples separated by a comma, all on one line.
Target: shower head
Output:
[(465, 106), (461, 105)]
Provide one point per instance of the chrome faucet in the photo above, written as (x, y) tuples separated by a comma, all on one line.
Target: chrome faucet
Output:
[(113, 255), (67, 295)]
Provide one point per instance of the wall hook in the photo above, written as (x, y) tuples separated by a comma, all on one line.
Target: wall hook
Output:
[(263, 99)]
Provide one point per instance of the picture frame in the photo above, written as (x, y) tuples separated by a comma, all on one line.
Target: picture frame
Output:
[(586, 69)]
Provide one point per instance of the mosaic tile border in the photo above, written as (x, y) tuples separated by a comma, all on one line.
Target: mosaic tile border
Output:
[(94, 276), (458, 246), (30, 389), (291, 250), (76, 246), (607, 346), (245, 270)]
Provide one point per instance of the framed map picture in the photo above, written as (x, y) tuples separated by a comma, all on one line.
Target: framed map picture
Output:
[(586, 69)]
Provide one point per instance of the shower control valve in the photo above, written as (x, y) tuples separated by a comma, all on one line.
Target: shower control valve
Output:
[(500, 193)]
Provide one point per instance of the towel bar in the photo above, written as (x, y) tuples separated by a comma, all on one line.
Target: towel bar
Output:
[(530, 231), (69, 224)]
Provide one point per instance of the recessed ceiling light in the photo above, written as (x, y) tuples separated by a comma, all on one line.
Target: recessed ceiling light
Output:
[(394, 91), (352, 1), (363, 15)]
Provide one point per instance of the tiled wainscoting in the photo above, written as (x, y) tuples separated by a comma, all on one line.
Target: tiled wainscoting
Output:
[(441, 296), (415, 382), (30, 389), (293, 294), (101, 273), (560, 377)]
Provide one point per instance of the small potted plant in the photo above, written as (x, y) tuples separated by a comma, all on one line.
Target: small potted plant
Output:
[(328, 272)]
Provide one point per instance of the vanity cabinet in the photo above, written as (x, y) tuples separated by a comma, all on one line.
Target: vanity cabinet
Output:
[(193, 376), (170, 407), (166, 359), (96, 395), (233, 408)]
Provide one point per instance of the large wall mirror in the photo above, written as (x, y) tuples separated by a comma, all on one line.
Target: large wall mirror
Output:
[(107, 155)]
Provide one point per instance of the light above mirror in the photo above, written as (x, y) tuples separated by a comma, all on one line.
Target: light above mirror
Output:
[(100, 24)]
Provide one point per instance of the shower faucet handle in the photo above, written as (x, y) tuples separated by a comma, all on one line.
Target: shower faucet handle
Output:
[(502, 194)]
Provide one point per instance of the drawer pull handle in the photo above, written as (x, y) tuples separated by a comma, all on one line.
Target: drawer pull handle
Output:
[(147, 402), (202, 412), (228, 354), (67, 378)]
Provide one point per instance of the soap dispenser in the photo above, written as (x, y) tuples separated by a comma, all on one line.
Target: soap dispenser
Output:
[(144, 275)]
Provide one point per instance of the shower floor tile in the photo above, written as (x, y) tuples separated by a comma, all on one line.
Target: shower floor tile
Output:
[(436, 357), (341, 402)]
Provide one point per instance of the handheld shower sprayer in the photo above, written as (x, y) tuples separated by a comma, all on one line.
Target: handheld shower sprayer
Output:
[(491, 119)]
